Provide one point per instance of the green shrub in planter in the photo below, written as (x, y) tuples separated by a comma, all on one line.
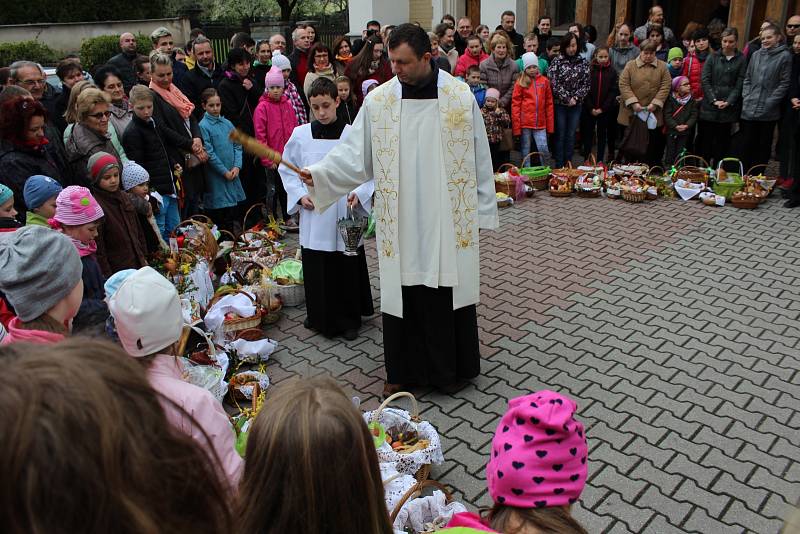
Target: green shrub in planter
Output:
[(95, 51), (27, 50)]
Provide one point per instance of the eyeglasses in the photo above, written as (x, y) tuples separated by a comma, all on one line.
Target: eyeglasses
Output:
[(31, 83), (100, 115), (793, 26)]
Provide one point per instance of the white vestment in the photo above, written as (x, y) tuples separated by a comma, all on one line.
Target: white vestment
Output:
[(434, 187), (318, 231)]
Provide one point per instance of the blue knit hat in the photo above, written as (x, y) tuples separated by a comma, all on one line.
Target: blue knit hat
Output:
[(39, 189), (5, 194)]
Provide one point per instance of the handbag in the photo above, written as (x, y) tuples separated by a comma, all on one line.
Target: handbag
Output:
[(507, 142), (193, 160), (637, 138)]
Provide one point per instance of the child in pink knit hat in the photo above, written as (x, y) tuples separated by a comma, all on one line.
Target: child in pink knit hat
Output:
[(274, 120), (537, 468), (78, 216)]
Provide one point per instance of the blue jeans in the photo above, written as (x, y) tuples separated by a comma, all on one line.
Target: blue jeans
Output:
[(168, 217), (530, 136), (566, 124)]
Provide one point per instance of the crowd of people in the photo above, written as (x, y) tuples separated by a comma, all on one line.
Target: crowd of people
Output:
[(95, 178)]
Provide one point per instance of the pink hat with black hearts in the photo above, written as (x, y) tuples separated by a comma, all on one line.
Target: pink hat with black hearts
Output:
[(538, 453)]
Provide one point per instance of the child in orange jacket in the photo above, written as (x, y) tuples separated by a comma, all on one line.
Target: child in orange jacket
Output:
[(532, 108)]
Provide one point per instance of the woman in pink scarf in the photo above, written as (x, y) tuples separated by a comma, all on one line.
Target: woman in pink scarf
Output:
[(172, 113)]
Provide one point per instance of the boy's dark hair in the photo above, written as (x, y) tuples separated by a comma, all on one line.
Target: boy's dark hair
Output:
[(66, 67), (413, 36), (441, 29), (373, 23), (553, 42), (473, 69), (543, 17), (321, 87), (473, 37), (140, 62), (508, 13), (701, 33), (208, 94), (237, 56), (241, 39)]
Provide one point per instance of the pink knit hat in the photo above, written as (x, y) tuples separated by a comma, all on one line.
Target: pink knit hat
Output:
[(492, 93), (538, 453), (274, 78), (75, 206), (677, 81)]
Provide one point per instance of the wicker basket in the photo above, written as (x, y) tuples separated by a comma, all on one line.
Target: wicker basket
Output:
[(434, 446), (203, 243), (416, 491), (503, 184), (634, 196), (691, 173), (747, 203), (220, 389), (567, 173), (242, 323), (560, 194), (766, 184), (291, 294)]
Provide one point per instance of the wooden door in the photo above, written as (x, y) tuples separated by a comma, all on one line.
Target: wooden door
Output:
[(474, 12)]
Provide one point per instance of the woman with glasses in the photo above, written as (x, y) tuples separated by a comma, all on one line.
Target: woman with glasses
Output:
[(109, 80), (91, 132)]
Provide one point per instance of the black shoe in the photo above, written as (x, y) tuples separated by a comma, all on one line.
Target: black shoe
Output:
[(791, 203), (350, 334), (307, 323)]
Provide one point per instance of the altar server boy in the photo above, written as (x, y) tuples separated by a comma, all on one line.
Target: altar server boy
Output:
[(337, 286)]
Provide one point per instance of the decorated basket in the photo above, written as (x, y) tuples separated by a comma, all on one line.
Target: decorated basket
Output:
[(635, 190), (427, 521), (560, 185), (750, 196), (589, 185), (625, 171), (765, 184), (509, 181), (568, 173), (234, 324), (291, 292), (417, 444), (195, 235)]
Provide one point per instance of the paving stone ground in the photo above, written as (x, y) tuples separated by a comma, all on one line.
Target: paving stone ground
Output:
[(676, 327)]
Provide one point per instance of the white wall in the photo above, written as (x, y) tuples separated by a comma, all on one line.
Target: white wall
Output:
[(384, 11), (491, 10), (67, 36)]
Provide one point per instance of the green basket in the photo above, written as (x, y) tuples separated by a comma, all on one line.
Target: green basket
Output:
[(734, 182)]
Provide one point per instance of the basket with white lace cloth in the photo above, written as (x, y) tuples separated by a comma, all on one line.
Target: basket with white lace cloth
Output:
[(415, 460), (425, 513)]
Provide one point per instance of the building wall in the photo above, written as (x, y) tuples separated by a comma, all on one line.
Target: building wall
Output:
[(384, 11), (492, 9), (421, 11), (67, 36)]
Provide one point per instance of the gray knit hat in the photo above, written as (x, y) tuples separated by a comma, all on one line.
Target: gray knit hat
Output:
[(38, 268)]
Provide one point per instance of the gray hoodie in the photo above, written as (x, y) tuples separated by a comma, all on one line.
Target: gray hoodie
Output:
[(766, 83), (620, 56)]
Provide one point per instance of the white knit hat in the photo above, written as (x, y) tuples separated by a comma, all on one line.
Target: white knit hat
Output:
[(529, 59), (147, 313), (281, 61), (133, 174)]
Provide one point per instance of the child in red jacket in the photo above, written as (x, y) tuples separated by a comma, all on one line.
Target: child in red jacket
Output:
[(600, 106), (532, 108)]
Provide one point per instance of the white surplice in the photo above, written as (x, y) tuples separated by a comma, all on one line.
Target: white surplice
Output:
[(318, 231), (434, 187)]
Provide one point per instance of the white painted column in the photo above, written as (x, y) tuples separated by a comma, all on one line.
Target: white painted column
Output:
[(384, 11)]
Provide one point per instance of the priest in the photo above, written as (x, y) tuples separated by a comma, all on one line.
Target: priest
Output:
[(422, 138)]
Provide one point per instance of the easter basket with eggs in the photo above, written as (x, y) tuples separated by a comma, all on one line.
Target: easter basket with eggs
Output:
[(560, 185), (750, 196), (239, 310), (403, 439), (765, 184), (589, 185), (634, 190)]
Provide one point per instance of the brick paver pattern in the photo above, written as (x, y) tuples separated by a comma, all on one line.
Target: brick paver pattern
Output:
[(673, 325)]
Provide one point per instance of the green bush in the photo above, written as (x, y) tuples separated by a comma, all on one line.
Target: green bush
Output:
[(97, 50), (27, 50)]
